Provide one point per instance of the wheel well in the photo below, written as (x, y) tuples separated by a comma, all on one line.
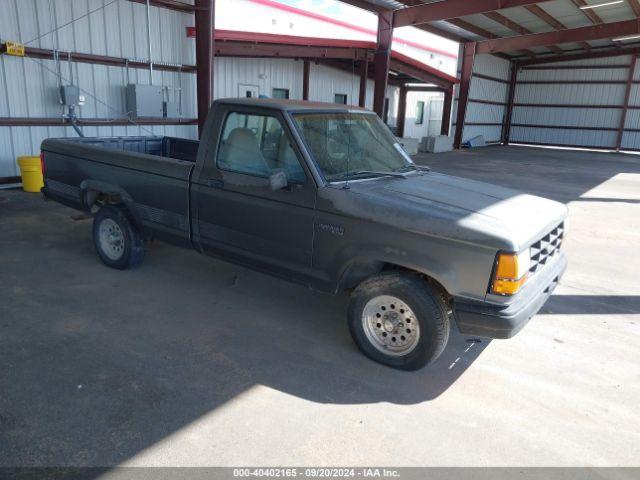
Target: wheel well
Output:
[(432, 281), (97, 197), (359, 272)]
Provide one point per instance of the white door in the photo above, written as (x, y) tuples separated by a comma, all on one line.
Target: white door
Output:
[(248, 91), (436, 105)]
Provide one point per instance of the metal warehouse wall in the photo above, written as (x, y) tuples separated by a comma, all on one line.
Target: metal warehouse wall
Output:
[(28, 86), (631, 135), (487, 98), (577, 103)]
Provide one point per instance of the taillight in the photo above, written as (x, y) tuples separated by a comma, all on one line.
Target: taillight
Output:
[(42, 165)]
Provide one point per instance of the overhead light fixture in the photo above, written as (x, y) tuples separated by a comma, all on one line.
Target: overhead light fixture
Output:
[(622, 39), (598, 5)]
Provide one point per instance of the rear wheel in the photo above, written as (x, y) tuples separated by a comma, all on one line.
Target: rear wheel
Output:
[(118, 241), (399, 320)]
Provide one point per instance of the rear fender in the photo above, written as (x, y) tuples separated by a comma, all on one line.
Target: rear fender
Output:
[(91, 190)]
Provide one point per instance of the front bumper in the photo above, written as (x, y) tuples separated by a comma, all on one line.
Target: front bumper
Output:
[(504, 321)]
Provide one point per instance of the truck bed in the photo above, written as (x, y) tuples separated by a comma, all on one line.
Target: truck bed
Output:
[(149, 174), (170, 147)]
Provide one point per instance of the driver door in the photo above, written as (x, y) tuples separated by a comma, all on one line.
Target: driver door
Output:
[(240, 217)]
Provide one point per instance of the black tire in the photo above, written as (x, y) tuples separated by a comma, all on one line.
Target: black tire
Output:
[(427, 305), (130, 250)]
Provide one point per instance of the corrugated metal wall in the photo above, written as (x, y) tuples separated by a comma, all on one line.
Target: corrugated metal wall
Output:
[(551, 99), (487, 98), (631, 139), (28, 86)]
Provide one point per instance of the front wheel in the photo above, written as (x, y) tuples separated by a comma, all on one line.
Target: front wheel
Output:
[(399, 320), (118, 241)]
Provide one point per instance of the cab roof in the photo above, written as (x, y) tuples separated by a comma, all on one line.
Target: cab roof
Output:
[(289, 105)]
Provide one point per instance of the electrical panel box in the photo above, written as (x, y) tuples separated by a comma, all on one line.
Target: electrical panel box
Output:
[(144, 101), (172, 102), (171, 109), (70, 95)]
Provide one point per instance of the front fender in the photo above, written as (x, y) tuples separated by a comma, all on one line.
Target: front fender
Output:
[(462, 269)]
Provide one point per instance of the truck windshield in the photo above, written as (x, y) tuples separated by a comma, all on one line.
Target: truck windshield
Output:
[(349, 145)]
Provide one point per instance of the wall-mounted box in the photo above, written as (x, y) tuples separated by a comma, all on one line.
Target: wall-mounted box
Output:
[(144, 101), (171, 109), (70, 95)]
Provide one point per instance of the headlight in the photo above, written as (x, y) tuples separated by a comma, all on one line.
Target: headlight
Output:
[(511, 272)]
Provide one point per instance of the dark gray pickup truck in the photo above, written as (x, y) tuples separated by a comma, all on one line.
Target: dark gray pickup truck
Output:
[(323, 195)]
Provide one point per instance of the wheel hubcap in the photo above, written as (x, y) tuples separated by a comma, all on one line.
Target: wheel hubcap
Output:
[(111, 239), (390, 325)]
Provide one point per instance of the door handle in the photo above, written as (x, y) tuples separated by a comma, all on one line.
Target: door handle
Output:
[(214, 182)]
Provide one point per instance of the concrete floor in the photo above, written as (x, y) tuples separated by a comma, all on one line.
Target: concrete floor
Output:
[(190, 361)]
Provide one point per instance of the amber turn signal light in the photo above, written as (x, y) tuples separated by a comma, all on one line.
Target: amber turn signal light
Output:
[(510, 272)]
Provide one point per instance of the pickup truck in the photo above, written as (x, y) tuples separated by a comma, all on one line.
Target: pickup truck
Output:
[(324, 195)]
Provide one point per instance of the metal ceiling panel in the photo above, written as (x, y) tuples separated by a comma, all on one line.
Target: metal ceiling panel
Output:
[(615, 13), (567, 13), (457, 30), (488, 24), (526, 19)]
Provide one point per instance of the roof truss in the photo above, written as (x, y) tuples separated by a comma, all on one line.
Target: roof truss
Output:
[(431, 12), (595, 32)]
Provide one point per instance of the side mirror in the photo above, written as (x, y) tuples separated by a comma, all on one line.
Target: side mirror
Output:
[(278, 180)]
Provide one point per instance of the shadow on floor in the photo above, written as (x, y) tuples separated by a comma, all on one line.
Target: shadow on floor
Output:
[(100, 364), (593, 304)]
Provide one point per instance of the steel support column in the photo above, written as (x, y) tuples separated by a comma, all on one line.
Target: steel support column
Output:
[(625, 107), (364, 75), (402, 112), (205, 21), (506, 126), (382, 60), (306, 70), (468, 56), (446, 112)]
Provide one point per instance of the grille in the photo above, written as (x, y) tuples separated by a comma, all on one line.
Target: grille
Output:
[(546, 248)]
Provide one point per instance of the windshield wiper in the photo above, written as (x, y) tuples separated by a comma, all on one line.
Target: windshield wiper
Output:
[(413, 166), (375, 173)]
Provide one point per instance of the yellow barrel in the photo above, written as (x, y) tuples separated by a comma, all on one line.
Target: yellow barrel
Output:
[(31, 173)]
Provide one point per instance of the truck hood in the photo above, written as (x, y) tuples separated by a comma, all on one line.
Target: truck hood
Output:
[(467, 210)]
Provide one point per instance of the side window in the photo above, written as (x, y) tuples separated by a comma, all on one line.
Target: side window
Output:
[(258, 145)]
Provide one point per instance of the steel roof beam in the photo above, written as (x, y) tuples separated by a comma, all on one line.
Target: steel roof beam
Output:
[(581, 56), (588, 12), (635, 6), (594, 32), (448, 9), (515, 27), (551, 21), (481, 32)]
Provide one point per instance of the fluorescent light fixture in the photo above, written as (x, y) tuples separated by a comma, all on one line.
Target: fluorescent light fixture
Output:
[(628, 37), (598, 5)]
